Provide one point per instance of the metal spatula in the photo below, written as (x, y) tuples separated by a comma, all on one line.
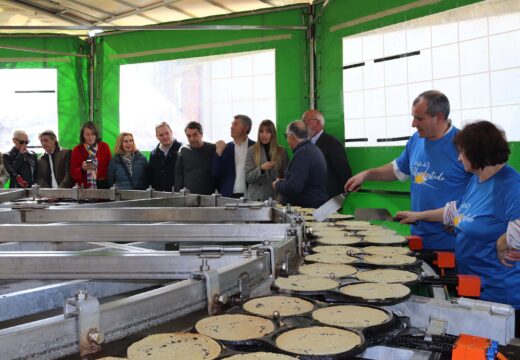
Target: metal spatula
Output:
[(373, 214), (331, 206)]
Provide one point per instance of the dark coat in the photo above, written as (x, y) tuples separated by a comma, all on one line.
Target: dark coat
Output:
[(161, 169), (338, 168), (24, 165), (61, 164), (223, 168), (119, 175), (304, 183)]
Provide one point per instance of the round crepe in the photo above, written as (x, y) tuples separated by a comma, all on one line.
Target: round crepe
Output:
[(385, 240), (318, 340), (234, 327), (337, 216), (386, 250), (285, 305), (329, 230), (352, 316), (377, 232), (387, 276), (324, 270), (355, 223), (305, 283), (395, 260), (331, 258), (336, 249), (376, 291), (339, 240), (261, 356), (178, 346)]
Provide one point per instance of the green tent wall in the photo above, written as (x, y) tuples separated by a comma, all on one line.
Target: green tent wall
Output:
[(292, 71)]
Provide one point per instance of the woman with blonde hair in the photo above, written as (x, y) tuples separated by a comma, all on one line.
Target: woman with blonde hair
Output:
[(265, 162), (127, 169)]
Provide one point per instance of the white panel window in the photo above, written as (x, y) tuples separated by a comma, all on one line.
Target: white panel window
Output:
[(443, 61), (356, 130), (474, 56), (374, 75), (474, 90), (29, 102), (375, 103), (443, 34), (504, 51), (353, 79), (210, 90), (473, 29), (505, 86), (420, 67), (397, 100), (418, 38), (376, 127), (508, 116), (471, 54), (395, 72), (394, 43), (504, 23), (353, 50), (373, 47), (353, 104)]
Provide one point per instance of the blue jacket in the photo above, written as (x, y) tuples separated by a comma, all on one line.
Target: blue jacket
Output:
[(118, 173), (305, 182), (223, 169)]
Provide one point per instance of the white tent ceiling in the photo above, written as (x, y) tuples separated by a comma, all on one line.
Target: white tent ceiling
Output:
[(73, 13)]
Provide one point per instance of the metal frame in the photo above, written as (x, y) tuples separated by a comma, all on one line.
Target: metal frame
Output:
[(234, 256)]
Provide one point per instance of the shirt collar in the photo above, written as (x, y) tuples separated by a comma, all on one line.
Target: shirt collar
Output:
[(316, 137)]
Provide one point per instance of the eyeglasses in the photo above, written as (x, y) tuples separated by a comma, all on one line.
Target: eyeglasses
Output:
[(22, 142)]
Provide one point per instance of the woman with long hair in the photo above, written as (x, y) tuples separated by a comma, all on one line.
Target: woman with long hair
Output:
[(90, 158), (265, 162), (127, 169)]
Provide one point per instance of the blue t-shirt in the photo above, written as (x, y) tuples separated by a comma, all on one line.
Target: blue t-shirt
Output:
[(482, 217), (437, 177)]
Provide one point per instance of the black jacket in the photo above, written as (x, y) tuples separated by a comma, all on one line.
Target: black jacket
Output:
[(338, 168), (161, 169), (24, 165)]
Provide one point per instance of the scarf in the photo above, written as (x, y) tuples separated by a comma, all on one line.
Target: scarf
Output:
[(92, 174), (128, 161)]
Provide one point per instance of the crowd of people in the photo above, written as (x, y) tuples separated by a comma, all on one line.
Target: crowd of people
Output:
[(464, 196), (240, 168)]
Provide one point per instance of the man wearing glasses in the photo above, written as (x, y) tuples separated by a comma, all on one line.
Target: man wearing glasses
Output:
[(338, 168), (20, 163)]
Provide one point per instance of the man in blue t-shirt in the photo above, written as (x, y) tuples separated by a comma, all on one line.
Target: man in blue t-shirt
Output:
[(430, 162)]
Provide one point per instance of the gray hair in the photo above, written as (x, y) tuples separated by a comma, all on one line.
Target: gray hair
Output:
[(437, 103), (17, 133), (164, 123), (246, 121), (298, 129)]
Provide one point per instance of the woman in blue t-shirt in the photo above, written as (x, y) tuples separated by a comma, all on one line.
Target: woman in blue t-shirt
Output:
[(487, 216)]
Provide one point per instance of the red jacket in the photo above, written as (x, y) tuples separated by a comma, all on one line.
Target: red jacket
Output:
[(80, 154)]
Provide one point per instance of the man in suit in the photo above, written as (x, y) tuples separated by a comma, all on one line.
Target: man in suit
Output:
[(304, 182), (230, 159), (54, 164), (338, 168)]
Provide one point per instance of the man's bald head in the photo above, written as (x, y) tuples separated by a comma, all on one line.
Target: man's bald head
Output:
[(314, 121)]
